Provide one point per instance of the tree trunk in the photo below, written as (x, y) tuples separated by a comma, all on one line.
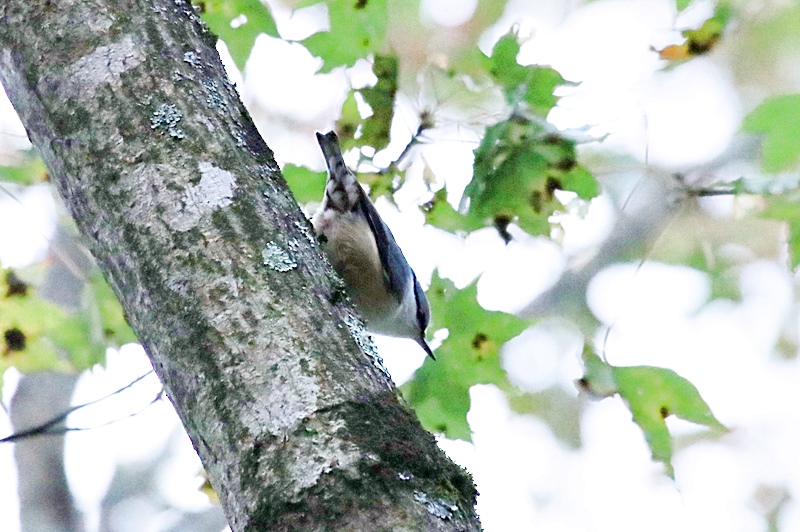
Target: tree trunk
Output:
[(183, 206)]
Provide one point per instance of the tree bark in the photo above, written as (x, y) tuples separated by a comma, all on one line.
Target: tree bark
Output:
[(184, 208)]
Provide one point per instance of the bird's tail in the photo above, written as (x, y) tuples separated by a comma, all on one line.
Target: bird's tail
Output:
[(342, 190)]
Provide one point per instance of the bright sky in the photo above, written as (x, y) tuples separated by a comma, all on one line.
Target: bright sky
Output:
[(528, 480)]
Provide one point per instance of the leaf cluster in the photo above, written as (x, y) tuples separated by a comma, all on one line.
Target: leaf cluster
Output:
[(525, 173)]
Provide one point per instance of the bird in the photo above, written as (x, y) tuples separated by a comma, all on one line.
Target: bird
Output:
[(363, 251)]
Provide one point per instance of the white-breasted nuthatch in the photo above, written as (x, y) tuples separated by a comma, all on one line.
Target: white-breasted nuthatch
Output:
[(363, 251)]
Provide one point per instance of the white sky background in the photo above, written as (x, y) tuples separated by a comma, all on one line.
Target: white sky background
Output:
[(660, 315)]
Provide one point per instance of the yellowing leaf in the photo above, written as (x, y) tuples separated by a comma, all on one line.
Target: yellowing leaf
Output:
[(699, 41), (40, 335), (674, 52)]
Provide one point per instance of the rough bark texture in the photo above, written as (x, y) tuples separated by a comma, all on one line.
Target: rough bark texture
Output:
[(185, 211)]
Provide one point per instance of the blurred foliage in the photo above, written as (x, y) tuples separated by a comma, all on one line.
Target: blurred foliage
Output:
[(439, 213), (40, 335), (306, 185), (381, 99), (652, 394), (470, 355), (778, 119), (556, 407), (28, 171), (702, 40), (357, 29), (238, 23), (372, 130), (786, 207), (525, 174)]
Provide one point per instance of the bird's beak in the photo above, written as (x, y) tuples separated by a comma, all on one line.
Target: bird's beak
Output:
[(424, 345)]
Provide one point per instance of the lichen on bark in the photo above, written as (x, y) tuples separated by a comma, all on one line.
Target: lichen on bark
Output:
[(295, 424)]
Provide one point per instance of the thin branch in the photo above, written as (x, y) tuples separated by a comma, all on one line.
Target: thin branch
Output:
[(49, 427)]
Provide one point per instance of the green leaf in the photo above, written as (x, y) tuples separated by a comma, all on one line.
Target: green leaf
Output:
[(559, 409), (219, 14), (80, 340), (439, 391), (382, 183), (40, 335), (597, 375), (349, 120), (375, 131), (531, 84), (652, 394), (115, 328), (358, 29), (581, 181), (38, 355), (723, 272), (439, 213), (705, 38), (305, 184), (778, 119), (25, 323), (786, 207), (518, 166), (29, 171), (680, 5)]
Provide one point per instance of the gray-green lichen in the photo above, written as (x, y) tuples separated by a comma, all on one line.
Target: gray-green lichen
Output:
[(435, 506), (191, 57), (365, 342), (360, 335), (239, 136), (277, 258), (215, 99), (166, 117), (304, 230)]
